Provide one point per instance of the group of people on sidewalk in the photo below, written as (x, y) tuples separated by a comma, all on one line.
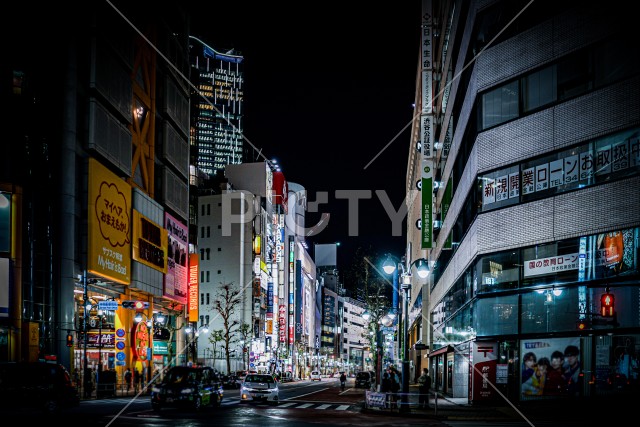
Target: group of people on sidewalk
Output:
[(137, 379), (391, 385)]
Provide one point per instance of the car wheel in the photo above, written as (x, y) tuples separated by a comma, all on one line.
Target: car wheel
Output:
[(274, 402)]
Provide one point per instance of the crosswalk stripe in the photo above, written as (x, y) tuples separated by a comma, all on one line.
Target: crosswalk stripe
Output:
[(342, 408), (306, 405), (323, 406), (286, 405)]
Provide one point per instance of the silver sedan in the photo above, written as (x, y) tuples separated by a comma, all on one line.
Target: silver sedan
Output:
[(260, 387)]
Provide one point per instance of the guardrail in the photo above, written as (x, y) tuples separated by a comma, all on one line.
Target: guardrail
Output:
[(400, 402)]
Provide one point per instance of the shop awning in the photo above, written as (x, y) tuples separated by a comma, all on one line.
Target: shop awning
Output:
[(442, 350)]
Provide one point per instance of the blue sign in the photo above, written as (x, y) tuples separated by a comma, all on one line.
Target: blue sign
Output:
[(252, 365), (120, 355), (109, 305), (120, 345)]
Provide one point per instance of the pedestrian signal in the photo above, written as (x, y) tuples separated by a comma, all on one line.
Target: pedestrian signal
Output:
[(607, 301), (69, 340)]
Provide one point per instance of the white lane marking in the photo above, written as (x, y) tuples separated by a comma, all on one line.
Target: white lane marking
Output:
[(323, 406), (302, 395), (305, 405), (342, 408), (285, 405)]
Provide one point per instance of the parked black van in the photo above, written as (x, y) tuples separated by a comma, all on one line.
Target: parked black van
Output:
[(42, 385)]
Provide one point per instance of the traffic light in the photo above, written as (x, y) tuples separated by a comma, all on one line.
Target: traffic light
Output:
[(582, 324), (607, 301), (69, 340), (135, 305)]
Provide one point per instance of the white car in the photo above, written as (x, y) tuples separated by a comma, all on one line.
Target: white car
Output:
[(260, 387), (315, 376)]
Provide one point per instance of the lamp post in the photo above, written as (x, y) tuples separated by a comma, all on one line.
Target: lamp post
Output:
[(85, 299), (423, 272)]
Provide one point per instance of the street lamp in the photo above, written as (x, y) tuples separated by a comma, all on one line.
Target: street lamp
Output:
[(390, 267)]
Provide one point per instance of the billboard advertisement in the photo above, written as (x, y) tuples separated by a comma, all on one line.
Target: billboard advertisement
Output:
[(109, 220), (550, 367), (175, 281), (149, 242)]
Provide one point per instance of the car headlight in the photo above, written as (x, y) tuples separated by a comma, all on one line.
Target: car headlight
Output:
[(155, 389), (187, 391)]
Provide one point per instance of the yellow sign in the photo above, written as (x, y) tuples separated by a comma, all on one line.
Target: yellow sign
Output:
[(109, 224), (149, 242)]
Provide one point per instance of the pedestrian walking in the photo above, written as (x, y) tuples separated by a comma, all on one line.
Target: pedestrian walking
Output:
[(424, 385), (137, 377), (127, 378)]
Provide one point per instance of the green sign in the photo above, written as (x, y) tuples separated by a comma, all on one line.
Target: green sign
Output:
[(446, 202), (427, 204), (160, 347)]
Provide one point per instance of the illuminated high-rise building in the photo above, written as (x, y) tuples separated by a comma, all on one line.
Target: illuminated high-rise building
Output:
[(216, 107)]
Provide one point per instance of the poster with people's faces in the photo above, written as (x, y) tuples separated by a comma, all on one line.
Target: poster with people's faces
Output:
[(550, 367)]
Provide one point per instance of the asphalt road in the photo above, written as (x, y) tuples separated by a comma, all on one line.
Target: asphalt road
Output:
[(302, 403)]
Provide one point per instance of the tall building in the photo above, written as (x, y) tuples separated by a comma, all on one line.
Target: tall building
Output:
[(527, 115), (96, 178), (216, 107)]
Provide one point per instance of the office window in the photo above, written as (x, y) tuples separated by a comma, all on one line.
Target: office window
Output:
[(575, 75), (219, 226), (219, 249), (539, 88), (208, 231), (206, 318), (202, 232), (219, 271), (207, 302), (202, 276), (201, 299), (202, 254), (202, 214), (208, 251), (208, 209), (500, 105), (207, 276)]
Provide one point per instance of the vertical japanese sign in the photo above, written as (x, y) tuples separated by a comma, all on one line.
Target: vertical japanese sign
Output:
[(446, 203), (292, 286), (109, 220), (484, 370), (193, 288), (426, 125), (175, 281)]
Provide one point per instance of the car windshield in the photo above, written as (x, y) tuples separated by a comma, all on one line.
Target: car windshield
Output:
[(362, 375), (259, 379), (180, 375)]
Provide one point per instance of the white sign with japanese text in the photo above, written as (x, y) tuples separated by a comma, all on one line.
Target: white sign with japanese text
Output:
[(550, 265)]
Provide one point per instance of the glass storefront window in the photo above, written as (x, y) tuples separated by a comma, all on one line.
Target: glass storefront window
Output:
[(498, 271), (550, 310), (496, 316)]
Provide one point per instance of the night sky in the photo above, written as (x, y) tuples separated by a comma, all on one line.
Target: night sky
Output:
[(326, 90)]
